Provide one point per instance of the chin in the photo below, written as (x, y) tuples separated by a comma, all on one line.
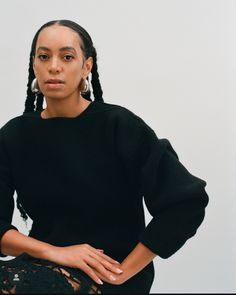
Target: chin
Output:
[(54, 95)]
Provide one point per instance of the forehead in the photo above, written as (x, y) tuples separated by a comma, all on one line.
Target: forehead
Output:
[(56, 36)]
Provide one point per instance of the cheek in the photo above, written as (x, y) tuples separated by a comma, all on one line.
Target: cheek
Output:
[(75, 75), (40, 76), (39, 72)]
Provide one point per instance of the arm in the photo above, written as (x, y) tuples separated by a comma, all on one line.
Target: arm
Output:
[(135, 262), (174, 197), (14, 243), (132, 264), (80, 256)]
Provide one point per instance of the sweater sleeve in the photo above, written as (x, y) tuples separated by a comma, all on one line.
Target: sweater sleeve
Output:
[(6, 193), (174, 197)]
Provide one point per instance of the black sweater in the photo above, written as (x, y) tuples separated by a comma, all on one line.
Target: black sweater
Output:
[(83, 179)]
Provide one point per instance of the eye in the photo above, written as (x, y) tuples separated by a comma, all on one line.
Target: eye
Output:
[(42, 57), (68, 57)]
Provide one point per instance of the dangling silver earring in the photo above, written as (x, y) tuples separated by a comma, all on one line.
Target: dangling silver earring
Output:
[(34, 86), (86, 87)]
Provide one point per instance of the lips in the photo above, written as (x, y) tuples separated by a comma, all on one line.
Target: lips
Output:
[(54, 81)]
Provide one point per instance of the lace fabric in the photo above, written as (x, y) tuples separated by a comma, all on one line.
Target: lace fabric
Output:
[(26, 274)]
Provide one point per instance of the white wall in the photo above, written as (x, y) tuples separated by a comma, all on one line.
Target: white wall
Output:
[(174, 64)]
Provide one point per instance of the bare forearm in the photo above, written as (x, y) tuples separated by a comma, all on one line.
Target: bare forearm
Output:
[(132, 264), (14, 243), (136, 261)]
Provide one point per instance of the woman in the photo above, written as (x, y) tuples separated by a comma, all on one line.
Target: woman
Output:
[(81, 168)]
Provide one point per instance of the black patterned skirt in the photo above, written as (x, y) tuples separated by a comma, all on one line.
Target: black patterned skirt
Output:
[(26, 274)]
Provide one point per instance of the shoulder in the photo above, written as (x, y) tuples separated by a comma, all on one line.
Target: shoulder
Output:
[(120, 110), (114, 109), (133, 129), (130, 129), (124, 117), (11, 124)]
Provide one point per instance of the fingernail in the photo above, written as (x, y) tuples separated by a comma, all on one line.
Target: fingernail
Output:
[(112, 278), (100, 282), (119, 270), (117, 262)]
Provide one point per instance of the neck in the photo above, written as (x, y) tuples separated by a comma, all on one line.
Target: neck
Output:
[(67, 107)]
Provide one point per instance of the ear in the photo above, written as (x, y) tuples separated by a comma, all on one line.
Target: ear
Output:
[(88, 64)]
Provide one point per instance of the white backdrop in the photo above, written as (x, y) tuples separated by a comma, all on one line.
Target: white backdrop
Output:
[(173, 63)]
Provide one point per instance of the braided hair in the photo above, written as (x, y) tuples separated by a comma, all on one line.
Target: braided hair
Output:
[(88, 50)]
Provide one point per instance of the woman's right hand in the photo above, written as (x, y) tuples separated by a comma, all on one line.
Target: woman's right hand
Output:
[(86, 258)]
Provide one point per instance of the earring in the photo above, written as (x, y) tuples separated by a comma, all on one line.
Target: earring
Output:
[(34, 86), (86, 87)]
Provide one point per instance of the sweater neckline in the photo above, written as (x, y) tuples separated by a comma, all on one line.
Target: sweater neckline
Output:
[(85, 111)]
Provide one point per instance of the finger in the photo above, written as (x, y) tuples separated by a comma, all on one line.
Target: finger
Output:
[(94, 263), (108, 258), (94, 250), (111, 267), (104, 256), (107, 264), (102, 277), (89, 271)]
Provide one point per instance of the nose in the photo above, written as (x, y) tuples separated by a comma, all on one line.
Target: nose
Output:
[(54, 66)]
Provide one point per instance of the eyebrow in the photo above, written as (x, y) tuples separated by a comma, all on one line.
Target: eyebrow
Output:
[(65, 48)]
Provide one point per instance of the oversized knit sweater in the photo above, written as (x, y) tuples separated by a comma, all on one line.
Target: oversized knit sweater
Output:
[(83, 180)]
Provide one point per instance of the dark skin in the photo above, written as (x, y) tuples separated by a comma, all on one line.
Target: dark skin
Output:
[(59, 56)]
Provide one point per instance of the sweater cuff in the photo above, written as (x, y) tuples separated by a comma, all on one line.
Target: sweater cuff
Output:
[(165, 245), (164, 236)]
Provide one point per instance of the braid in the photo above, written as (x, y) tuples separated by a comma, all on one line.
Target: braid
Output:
[(22, 210), (39, 105), (29, 103), (97, 89)]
